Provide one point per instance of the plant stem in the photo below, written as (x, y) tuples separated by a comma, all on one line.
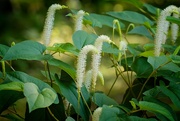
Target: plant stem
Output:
[(52, 114), (49, 74), (149, 78)]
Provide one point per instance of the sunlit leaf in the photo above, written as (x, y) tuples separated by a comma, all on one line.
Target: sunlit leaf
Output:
[(16, 86), (37, 98), (28, 50), (46, 114)]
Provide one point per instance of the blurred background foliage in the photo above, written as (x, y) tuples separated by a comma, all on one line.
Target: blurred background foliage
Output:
[(24, 19)]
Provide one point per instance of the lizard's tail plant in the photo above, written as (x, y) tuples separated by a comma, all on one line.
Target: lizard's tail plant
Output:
[(50, 21), (79, 20), (97, 113), (162, 28), (174, 28), (96, 58), (81, 65), (88, 79)]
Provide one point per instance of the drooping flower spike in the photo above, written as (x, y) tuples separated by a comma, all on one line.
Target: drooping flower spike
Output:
[(50, 21), (79, 20), (97, 113), (174, 28), (96, 58), (162, 28), (88, 79), (81, 64)]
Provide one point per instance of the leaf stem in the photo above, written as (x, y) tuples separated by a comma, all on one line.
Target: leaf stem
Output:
[(52, 114)]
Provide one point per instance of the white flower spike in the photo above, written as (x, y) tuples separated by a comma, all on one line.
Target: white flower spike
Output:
[(174, 28), (79, 20), (97, 113), (49, 22), (81, 64), (88, 79), (162, 28), (96, 58)]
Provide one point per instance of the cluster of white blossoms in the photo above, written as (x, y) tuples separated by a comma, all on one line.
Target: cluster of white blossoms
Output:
[(163, 27), (96, 58), (50, 21), (79, 20), (81, 64), (97, 113)]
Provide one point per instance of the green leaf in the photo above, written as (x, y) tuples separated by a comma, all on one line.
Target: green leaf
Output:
[(163, 63), (147, 53), (170, 94), (69, 91), (82, 38), (110, 48), (64, 47), (155, 99), (11, 117), (136, 3), (110, 113), (173, 20), (141, 71), (175, 58), (99, 20), (69, 119), (28, 50), (151, 8), (136, 118), (37, 98), (64, 66), (132, 49), (16, 86), (153, 107), (23, 77), (3, 50), (141, 30), (8, 97), (43, 114), (131, 16), (101, 99)]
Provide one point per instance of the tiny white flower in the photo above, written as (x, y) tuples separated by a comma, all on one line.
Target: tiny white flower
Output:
[(88, 79), (49, 22), (79, 20), (162, 28), (174, 29), (123, 46), (96, 58), (96, 114), (81, 64)]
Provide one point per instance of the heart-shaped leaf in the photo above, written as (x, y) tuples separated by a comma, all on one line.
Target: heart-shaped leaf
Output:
[(36, 98)]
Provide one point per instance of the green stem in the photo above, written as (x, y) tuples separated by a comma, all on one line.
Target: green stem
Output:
[(3, 69), (52, 114), (149, 78)]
